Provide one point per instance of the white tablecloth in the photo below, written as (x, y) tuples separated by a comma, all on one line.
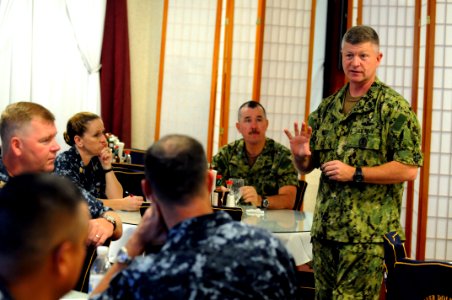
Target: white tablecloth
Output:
[(297, 243)]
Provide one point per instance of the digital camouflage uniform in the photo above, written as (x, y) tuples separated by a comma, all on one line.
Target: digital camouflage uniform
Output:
[(272, 170), (380, 128), (210, 257), (90, 179), (4, 293)]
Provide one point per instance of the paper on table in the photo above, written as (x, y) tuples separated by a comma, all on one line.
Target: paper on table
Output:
[(254, 212), (75, 295)]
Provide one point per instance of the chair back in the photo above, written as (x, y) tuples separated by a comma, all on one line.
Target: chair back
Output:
[(137, 155), (130, 181), (128, 167), (301, 189), (394, 250), (235, 212), (414, 279)]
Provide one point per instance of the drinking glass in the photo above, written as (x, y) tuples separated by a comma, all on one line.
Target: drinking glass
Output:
[(237, 183)]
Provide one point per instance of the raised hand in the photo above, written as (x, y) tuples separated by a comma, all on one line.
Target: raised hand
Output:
[(299, 141)]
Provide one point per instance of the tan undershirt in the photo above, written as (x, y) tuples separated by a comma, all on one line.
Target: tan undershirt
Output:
[(349, 102)]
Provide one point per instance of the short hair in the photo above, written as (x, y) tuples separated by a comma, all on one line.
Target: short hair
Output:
[(361, 34), (251, 104), (77, 126), (35, 211), (18, 114), (175, 167)]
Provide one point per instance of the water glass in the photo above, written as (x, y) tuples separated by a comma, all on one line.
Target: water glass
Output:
[(237, 183)]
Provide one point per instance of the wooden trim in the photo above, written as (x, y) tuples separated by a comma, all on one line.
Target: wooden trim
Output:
[(426, 130), (161, 71), (214, 82), (349, 14), (310, 61), (414, 106), (226, 76), (359, 17), (259, 50)]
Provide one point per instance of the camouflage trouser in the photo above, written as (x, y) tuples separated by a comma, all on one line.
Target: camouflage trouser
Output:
[(347, 271)]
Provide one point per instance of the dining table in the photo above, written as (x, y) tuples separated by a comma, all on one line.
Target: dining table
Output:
[(291, 227)]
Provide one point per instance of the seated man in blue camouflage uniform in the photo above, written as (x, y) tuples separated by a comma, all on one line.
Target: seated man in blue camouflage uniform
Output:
[(205, 255), (44, 226), (29, 146), (270, 178), (366, 141)]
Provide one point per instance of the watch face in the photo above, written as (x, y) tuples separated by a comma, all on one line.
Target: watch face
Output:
[(123, 257), (265, 203), (358, 176)]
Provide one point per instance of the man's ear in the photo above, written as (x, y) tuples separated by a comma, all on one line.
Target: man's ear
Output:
[(210, 181), (62, 258), (147, 191), (16, 146), (237, 125)]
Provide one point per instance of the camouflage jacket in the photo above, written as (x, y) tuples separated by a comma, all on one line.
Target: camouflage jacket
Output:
[(272, 170), (379, 129), (210, 257), (90, 179)]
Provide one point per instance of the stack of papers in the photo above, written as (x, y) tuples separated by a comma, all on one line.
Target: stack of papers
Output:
[(254, 212)]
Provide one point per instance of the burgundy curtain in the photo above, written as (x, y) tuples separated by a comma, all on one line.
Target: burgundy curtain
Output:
[(115, 72)]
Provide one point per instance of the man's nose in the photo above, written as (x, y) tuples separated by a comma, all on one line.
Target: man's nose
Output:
[(55, 146), (356, 60)]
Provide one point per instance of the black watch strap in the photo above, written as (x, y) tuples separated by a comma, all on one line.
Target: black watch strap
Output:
[(358, 176)]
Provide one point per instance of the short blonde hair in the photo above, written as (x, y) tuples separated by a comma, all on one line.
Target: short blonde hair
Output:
[(17, 115)]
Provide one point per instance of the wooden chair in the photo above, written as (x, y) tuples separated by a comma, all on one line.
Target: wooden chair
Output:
[(414, 279), (301, 189)]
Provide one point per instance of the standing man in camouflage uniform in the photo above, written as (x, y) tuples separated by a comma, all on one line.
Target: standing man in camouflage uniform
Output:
[(366, 141), (270, 177), (205, 255)]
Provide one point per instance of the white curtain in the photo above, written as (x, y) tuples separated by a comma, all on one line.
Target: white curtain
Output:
[(50, 54)]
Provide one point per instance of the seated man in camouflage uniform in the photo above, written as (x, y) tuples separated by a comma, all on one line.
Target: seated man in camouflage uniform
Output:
[(266, 166), (205, 255), (366, 141)]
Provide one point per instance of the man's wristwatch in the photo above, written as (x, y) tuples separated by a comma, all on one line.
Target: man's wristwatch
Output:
[(123, 256), (265, 203), (111, 220), (358, 176)]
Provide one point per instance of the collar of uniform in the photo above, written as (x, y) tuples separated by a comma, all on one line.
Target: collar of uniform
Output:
[(368, 100)]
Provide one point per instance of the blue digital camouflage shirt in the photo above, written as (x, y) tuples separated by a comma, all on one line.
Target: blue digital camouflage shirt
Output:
[(4, 293), (380, 128), (272, 170), (210, 257), (90, 179)]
